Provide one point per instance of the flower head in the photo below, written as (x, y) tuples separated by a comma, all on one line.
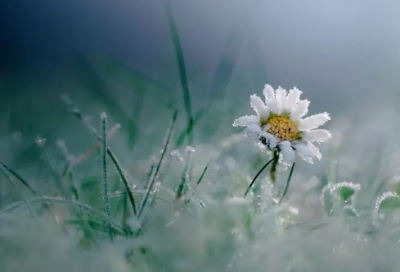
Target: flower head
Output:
[(281, 126)]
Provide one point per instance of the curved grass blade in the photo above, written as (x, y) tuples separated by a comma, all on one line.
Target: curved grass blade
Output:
[(6, 172), (150, 186), (256, 176)]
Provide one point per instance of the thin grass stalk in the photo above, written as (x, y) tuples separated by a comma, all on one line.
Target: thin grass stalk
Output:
[(113, 158), (18, 177), (285, 190), (154, 178), (197, 116), (125, 213), (200, 178), (106, 200), (72, 186), (80, 158), (150, 175), (182, 188)]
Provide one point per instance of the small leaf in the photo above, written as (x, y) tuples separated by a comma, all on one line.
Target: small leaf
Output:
[(345, 190), (387, 201)]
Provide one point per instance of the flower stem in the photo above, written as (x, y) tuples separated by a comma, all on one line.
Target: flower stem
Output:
[(287, 184), (256, 176), (274, 167)]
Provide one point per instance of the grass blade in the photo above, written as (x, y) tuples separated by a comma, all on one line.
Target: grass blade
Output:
[(113, 158), (158, 167), (183, 187), (106, 200), (196, 118), (18, 177), (182, 70), (200, 178), (287, 184), (256, 176)]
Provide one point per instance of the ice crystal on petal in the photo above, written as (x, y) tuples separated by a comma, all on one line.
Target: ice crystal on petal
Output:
[(280, 126)]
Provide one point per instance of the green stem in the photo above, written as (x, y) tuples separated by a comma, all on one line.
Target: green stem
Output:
[(256, 176), (274, 167), (287, 184)]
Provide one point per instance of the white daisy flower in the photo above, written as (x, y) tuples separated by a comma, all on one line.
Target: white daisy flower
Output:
[(281, 126)]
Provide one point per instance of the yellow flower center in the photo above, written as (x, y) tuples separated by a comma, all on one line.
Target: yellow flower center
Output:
[(283, 128)]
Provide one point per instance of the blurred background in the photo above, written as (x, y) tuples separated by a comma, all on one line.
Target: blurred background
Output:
[(121, 57)]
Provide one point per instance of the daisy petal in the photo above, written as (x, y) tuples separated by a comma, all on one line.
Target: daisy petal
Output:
[(314, 121), (259, 107), (271, 106), (287, 151), (246, 120), (300, 110), (304, 152), (253, 129), (318, 135), (280, 99), (292, 99), (269, 93), (270, 98), (315, 150)]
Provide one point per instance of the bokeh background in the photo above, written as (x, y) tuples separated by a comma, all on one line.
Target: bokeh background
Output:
[(119, 57)]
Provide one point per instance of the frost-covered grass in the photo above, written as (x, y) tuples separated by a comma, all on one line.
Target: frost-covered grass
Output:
[(187, 212), (186, 208)]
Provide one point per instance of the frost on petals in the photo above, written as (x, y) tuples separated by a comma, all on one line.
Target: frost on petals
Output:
[(281, 126), (317, 135), (259, 107), (246, 120), (314, 121), (300, 110)]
